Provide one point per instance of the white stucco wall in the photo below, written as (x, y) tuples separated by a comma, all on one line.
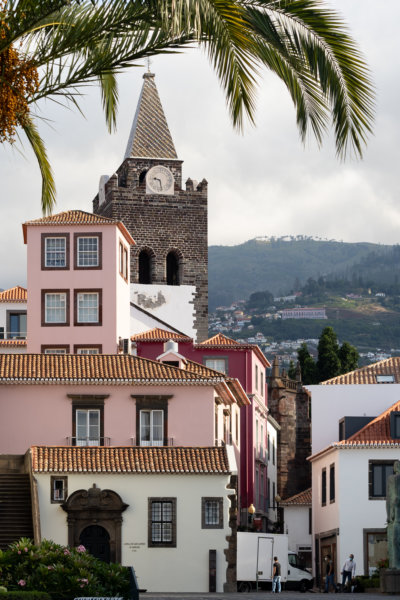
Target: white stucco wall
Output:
[(272, 472), (296, 525), (332, 402), (181, 569), (172, 304), (352, 511)]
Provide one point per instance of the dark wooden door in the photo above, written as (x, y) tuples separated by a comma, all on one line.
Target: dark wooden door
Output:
[(96, 541)]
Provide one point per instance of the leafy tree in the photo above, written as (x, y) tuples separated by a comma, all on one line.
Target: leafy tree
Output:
[(260, 300), (307, 365), (292, 370), (348, 356), (328, 363), (53, 48)]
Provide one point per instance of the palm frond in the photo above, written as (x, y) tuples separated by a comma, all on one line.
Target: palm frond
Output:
[(48, 184)]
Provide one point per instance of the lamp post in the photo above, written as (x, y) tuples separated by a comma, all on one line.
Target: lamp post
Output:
[(251, 510)]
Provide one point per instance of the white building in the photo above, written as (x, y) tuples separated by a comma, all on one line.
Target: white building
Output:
[(13, 320), (273, 428), (297, 523), (349, 492)]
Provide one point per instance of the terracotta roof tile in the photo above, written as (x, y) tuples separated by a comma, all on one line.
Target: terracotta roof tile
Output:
[(77, 217), (221, 341), (110, 368), (303, 498), (368, 374), (160, 335), (376, 431), (129, 459), (14, 294)]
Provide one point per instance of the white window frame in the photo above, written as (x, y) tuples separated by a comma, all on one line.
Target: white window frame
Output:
[(55, 351), (88, 350), (88, 439), (215, 362), (61, 307), (93, 312), (152, 427), (82, 254), (48, 253)]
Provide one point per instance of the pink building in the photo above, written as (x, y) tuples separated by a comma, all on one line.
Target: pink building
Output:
[(247, 363), (78, 282)]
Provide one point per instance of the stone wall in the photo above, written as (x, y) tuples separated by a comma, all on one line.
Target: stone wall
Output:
[(161, 223)]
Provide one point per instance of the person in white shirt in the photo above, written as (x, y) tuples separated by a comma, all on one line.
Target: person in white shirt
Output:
[(348, 570)]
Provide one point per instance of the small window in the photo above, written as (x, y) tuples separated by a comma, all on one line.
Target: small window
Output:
[(218, 364), (16, 325), (269, 447), (87, 427), (385, 379), (395, 425), (87, 252), (58, 489), (212, 513), (332, 483), (55, 308), (262, 383), (173, 269), (323, 487), (123, 261), (274, 494), (55, 350), (162, 523), (55, 252), (87, 307), (273, 451), (268, 493), (256, 376), (379, 472), (145, 267), (87, 350), (310, 521)]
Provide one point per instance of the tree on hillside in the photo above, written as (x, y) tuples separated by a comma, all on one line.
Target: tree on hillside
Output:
[(328, 363), (53, 48), (260, 300), (332, 359)]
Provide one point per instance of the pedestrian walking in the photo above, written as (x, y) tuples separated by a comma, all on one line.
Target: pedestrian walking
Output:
[(276, 576), (348, 572), (330, 574)]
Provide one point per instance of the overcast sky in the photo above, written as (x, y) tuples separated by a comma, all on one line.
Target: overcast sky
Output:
[(264, 182)]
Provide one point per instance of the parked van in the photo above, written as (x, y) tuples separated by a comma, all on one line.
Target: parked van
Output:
[(255, 557)]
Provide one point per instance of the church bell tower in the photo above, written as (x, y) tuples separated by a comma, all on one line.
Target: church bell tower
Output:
[(169, 275)]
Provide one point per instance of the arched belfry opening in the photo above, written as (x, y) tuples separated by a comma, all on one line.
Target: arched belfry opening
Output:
[(95, 517), (174, 268), (145, 260), (142, 177)]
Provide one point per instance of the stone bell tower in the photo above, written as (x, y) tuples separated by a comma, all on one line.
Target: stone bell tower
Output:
[(169, 264)]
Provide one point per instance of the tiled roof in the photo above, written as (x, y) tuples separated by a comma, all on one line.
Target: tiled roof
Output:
[(376, 432), (302, 499), (129, 459), (94, 368), (14, 294), (77, 217), (367, 374), (150, 136), (221, 341), (160, 335), (13, 342)]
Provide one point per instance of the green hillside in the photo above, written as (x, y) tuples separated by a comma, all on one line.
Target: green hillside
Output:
[(280, 265)]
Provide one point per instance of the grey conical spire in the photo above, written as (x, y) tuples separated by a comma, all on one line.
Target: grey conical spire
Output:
[(150, 136)]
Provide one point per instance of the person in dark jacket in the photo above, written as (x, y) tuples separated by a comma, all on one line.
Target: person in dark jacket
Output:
[(276, 576)]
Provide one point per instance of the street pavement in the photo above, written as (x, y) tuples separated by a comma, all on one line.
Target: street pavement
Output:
[(310, 595)]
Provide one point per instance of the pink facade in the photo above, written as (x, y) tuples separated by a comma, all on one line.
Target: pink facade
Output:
[(78, 282), (248, 365), (35, 414)]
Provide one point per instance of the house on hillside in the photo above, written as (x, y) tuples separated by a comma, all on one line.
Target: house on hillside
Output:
[(349, 492), (247, 363)]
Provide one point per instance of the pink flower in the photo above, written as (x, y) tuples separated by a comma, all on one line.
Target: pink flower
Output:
[(26, 549), (81, 548), (19, 551), (67, 552), (50, 568), (22, 582)]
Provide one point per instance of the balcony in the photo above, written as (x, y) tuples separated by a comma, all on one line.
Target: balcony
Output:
[(15, 334), (152, 444), (88, 441), (261, 454)]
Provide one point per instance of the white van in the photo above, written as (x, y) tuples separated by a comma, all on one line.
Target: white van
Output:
[(255, 557)]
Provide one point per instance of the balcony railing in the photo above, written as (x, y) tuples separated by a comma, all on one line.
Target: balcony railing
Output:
[(12, 335), (88, 441), (261, 454), (145, 443)]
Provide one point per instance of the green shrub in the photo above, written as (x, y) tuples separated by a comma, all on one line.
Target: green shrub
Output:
[(20, 595), (60, 571)]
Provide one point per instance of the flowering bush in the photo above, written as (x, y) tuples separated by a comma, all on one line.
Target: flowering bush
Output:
[(58, 570)]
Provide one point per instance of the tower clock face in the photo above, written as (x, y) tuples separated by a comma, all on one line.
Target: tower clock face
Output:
[(159, 180)]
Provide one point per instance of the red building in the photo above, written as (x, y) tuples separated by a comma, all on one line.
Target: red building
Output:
[(247, 363)]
